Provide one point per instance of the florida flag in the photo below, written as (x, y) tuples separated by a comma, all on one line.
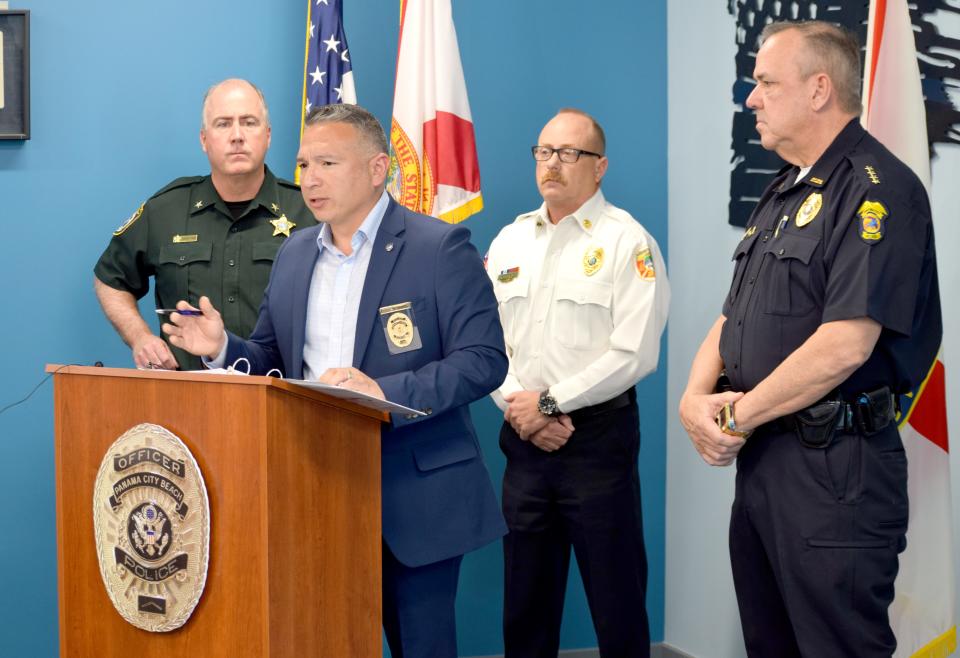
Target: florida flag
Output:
[(922, 613), (433, 159)]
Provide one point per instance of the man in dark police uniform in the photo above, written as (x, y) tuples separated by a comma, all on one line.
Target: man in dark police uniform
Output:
[(833, 311), (213, 235)]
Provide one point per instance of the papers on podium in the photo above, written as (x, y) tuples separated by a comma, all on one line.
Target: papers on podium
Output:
[(360, 398)]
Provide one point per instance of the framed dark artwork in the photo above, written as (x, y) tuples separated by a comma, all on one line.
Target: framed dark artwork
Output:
[(14, 74)]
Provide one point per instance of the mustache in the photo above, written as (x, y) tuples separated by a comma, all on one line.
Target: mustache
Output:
[(551, 176)]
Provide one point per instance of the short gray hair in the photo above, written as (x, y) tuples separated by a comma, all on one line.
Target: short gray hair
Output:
[(597, 130), (206, 97), (830, 49), (362, 120)]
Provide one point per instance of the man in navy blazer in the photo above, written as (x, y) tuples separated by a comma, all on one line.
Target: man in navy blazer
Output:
[(395, 304)]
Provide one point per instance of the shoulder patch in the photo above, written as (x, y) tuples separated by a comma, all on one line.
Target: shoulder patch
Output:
[(872, 215), (180, 182), (643, 261), (127, 224)]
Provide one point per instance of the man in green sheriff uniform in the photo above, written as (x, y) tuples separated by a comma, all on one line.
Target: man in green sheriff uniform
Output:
[(213, 235)]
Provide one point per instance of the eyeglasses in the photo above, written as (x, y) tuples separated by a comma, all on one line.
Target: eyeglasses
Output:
[(568, 155)]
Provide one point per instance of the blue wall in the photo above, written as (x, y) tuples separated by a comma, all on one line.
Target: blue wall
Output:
[(116, 88)]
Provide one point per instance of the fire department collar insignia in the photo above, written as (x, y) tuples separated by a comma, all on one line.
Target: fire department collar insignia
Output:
[(282, 225), (644, 265), (872, 215), (808, 211), (592, 260), (151, 518)]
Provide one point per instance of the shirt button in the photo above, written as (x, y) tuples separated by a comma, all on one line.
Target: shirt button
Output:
[(750, 281), (234, 229), (765, 238), (231, 299), (780, 252), (183, 258), (230, 262), (735, 366)]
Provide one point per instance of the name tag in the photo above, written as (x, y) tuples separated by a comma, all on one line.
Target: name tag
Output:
[(177, 239)]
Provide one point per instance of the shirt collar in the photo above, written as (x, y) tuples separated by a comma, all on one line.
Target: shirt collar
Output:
[(205, 195), (824, 167), (367, 232), (586, 215)]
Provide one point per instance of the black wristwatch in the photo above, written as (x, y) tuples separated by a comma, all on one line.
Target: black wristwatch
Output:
[(548, 405)]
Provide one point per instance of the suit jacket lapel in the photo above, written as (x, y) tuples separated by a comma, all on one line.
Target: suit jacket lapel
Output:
[(303, 262), (382, 260)]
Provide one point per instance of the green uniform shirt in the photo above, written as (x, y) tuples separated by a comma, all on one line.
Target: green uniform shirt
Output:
[(185, 236)]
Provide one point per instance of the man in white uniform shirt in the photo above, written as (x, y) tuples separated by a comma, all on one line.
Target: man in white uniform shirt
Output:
[(583, 298)]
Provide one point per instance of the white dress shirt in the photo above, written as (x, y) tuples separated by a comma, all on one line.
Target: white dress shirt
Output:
[(583, 303)]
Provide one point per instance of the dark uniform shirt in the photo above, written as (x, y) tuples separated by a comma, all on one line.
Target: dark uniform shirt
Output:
[(852, 239), (186, 237)]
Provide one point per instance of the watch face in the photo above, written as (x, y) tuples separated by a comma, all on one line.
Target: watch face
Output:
[(547, 405)]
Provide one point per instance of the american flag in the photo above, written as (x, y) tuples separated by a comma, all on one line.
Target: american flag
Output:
[(327, 71)]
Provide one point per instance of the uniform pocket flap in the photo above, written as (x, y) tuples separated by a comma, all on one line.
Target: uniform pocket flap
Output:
[(184, 254), (436, 454), (795, 246), (266, 250), (518, 287), (744, 246), (585, 292)]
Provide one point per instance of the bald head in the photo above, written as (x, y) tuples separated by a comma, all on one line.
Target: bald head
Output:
[(237, 88)]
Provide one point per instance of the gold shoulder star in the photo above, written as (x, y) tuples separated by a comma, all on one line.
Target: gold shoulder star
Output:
[(198, 204), (275, 208), (282, 225)]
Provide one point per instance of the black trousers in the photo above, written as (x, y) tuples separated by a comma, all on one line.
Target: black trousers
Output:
[(585, 496), (814, 543)]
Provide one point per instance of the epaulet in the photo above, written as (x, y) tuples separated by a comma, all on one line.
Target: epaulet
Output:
[(526, 215), (283, 182), (865, 166), (180, 182)]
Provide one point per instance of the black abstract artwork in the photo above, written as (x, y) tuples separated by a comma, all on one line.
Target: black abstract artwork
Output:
[(938, 56)]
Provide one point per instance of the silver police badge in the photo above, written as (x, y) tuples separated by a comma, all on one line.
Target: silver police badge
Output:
[(151, 517)]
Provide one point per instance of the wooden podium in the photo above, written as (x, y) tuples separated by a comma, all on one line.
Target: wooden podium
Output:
[(293, 479)]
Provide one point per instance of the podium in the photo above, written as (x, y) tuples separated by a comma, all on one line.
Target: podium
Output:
[(293, 481)]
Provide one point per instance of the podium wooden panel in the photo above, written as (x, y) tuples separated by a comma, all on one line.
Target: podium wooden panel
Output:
[(293, 478)]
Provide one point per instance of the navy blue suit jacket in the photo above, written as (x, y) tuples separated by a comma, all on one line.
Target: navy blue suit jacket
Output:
[(437, 498)]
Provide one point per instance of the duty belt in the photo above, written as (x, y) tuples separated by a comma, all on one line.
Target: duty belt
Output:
[(869, 413)]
